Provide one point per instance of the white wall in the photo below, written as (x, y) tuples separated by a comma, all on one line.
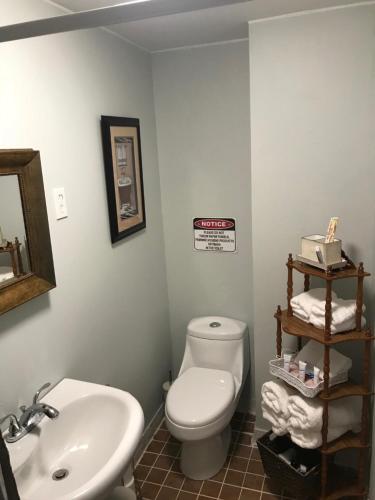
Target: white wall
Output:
[(107, 320), (312, 98), (202, 110)]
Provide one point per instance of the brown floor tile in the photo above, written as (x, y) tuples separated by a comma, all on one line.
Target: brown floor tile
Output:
[(250, 495), (164, 462), (202, 497), (150, 491), (163, 425), (174, 479), (162, 435), (220, 475), (288, 495), (141, 472), (247, 427), (255, 467), (234, 477), (238, 463), (270, 486), (184, 495), (173, 440), (176, 466), (156, 476), (167, 493), (244, 438), (191, 485), (240, 450), (210, 489), (171, 449), (249, 417), (255, 455), (236, 425), (155, 446), (229, 492), (253, 481), (148, 459), (270, 496), (234, 436)]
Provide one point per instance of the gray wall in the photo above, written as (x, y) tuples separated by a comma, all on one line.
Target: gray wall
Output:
[(107, 320), (312, 101), (202, 110)]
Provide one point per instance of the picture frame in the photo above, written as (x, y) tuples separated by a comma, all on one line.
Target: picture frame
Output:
[(122, 153)]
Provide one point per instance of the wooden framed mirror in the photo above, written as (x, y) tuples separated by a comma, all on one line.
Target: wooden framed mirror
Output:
[(26, 262)]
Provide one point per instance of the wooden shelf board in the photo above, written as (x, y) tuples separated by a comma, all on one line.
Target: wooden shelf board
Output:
[(297, 327), (344, 390), (348, 440), (347, 272)]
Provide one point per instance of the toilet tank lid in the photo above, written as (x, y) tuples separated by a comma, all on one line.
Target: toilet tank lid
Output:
[(216, 328)]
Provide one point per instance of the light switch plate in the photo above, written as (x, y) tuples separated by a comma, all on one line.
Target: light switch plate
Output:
[(61, 208)]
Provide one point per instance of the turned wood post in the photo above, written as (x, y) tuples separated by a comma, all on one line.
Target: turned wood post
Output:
[(278, 331), (324, 476), (359, 300), (290, 284), (19, 258), (12, 252), (328, 311), (306, 283)]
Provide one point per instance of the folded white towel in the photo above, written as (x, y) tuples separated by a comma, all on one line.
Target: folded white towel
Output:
[(313, 439), (279, 424), (313, 353), (342, 310), (307, 414), (306, 300), (350, 324), (6, 273), (275, 394)]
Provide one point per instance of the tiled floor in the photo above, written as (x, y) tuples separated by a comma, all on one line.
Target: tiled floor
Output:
[(241, 478)]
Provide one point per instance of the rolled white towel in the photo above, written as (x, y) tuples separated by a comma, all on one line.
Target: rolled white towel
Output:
[(313, 439), (279, 424), (275, 394), (313, 353), (306, 300), (342, 310), (350, 324), (307, 414)]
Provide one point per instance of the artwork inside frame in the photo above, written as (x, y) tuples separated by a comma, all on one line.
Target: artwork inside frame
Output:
[(123, 172)]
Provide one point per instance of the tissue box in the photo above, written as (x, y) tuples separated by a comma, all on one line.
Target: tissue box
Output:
[(330, 252)]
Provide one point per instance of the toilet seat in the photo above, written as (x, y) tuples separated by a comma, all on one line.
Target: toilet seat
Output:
[(200, 396)]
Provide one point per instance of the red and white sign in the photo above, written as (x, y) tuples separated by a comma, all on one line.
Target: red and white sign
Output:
[(214, 234)]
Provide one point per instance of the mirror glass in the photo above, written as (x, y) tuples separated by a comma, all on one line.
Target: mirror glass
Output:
[(14, 260)]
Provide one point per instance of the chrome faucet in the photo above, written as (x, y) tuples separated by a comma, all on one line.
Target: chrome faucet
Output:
[(30, 417)]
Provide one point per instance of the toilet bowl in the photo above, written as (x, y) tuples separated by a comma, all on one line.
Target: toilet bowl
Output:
[(203, 398)]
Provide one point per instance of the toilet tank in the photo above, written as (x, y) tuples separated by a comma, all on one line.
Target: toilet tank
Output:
[(219, 343)]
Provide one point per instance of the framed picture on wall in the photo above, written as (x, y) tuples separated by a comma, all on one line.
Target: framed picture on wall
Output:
[(123, 173)]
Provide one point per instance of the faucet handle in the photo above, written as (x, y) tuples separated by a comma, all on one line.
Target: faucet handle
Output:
[(14, 425), (37, 394)]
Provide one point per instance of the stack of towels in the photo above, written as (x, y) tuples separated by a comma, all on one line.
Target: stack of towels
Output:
[(6, 273), (303, 417), (310, 307)]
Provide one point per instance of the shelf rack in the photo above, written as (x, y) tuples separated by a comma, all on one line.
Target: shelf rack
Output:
[(14, 249), (331, 483)]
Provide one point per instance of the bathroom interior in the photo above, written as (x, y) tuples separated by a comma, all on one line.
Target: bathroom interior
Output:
[(177, 322)]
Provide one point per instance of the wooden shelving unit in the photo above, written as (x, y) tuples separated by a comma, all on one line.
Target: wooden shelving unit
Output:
[(15, 256), (336, 482)]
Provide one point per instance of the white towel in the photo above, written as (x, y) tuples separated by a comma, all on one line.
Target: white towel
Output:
[(313, 353), (350, 324), (279, 424), (342, 310), (307, 414), (275, 394), (6, 273), (313, 439), (304, 302)]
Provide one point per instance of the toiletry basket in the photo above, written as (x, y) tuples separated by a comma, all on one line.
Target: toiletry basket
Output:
[(277, 369), (303, 486)]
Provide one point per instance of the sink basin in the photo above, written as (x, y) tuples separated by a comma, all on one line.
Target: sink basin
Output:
[(90, 444)]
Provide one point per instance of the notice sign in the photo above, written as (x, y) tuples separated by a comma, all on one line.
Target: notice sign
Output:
[(214, 235)]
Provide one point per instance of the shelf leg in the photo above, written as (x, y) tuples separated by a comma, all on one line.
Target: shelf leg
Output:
[(306, 283), (278, 332), (328, 315), (290, 284), (359, 300)]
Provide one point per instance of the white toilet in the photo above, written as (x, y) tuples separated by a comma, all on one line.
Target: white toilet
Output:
[(203, 398)]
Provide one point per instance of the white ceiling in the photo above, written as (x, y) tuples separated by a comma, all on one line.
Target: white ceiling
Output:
[(212, 25)]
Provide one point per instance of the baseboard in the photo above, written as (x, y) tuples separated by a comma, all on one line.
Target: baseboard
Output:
[(149, 432)]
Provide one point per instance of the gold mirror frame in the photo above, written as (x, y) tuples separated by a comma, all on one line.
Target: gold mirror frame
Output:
[(25, 163)]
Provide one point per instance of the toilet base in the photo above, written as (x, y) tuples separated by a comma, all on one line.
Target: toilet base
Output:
[(203, 459)]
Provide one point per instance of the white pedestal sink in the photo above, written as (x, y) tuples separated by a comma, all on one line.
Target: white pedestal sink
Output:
[(89, 445)]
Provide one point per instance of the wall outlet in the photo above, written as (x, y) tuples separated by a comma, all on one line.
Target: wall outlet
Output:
[(61, 208)]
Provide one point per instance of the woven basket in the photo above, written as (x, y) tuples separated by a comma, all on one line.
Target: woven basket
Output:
[(303, 486), (277, 369)]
